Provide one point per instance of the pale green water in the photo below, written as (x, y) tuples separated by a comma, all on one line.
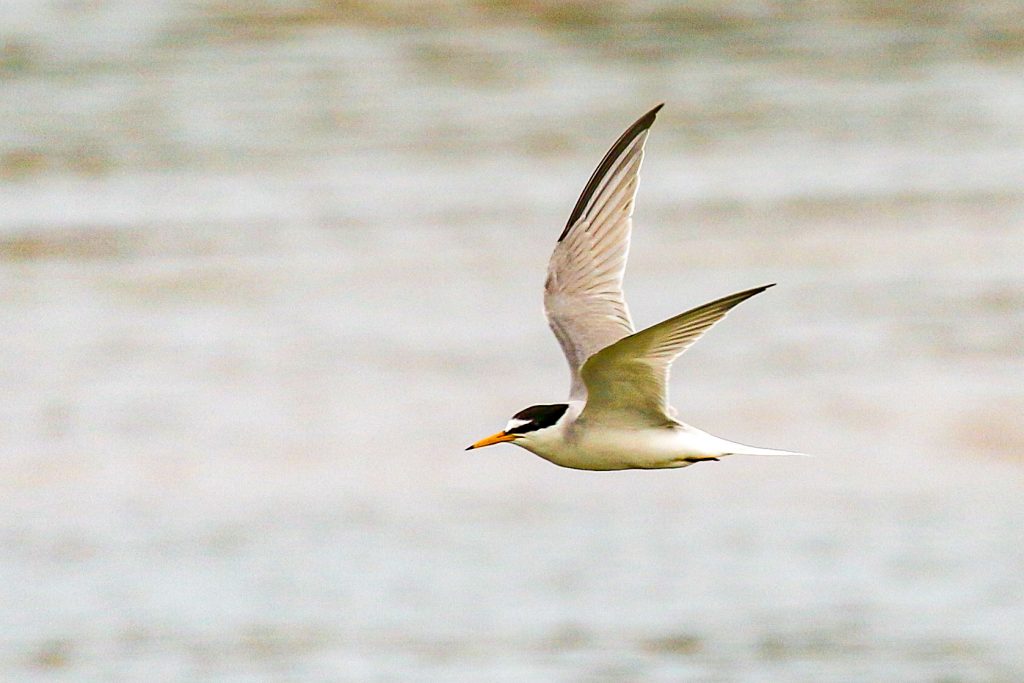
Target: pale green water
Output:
[(265, 272)]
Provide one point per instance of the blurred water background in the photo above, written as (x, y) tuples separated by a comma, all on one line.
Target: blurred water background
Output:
[(267, 267)]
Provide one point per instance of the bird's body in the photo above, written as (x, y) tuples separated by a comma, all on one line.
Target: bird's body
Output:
[(580, 444), (617, 416)]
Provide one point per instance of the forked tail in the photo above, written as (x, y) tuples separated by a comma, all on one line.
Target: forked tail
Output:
[(753, 450), (715, 445)]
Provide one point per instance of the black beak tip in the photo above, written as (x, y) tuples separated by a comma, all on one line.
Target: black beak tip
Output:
[(469, 448)]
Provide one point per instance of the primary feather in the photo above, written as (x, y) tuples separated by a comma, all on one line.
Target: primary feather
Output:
[(627, 382), (583, 296)]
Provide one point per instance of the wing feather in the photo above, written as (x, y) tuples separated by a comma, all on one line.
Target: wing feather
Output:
[(627, 382), (583, 296)]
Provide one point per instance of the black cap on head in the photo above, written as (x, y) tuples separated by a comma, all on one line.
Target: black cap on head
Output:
[(536, 417)]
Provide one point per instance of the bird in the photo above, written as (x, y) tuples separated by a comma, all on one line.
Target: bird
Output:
[(618, 415)]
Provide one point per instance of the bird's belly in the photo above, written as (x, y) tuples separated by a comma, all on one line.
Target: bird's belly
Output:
[(626, 449)]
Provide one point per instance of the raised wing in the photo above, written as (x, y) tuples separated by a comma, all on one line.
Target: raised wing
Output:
[(627, 382), (583, 293)]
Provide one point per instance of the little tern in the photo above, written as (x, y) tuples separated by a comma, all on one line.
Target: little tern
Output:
[(617, 416)]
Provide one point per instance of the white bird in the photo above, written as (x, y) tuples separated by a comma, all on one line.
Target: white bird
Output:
[(617, 416)]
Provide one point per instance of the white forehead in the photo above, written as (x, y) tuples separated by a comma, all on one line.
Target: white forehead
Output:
[(515, 422)]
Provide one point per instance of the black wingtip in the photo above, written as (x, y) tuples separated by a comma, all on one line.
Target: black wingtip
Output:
[(645, 121), (757, 290), (639, 126)]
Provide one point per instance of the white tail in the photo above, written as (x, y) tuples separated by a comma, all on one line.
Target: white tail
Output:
[(710, 444), (752, 450)]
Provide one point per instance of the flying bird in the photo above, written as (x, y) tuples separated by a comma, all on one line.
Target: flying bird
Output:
[(617, 416)]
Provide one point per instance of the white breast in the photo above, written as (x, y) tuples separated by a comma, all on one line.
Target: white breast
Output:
[(589, 448)]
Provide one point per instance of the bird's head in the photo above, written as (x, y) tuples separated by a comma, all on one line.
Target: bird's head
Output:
[(525, 425)]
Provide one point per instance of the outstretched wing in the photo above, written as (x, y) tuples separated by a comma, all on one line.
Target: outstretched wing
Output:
[(583, 293), (627, 382)]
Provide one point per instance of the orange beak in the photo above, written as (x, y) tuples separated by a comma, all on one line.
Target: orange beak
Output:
[(492, 439)]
